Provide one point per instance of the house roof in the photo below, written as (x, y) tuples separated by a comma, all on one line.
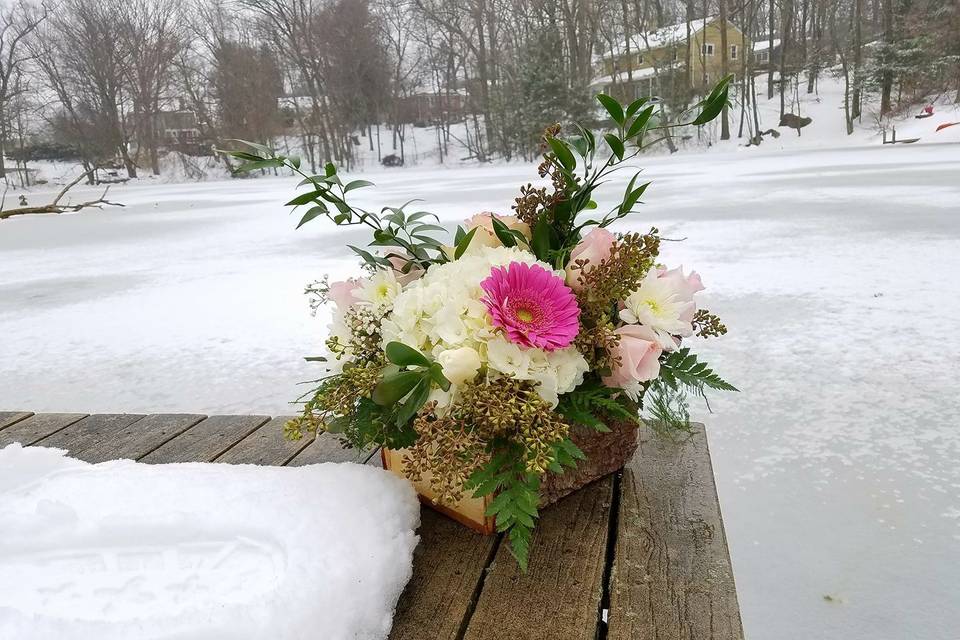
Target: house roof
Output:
[(621, 77), (763, 45), (664, 36)]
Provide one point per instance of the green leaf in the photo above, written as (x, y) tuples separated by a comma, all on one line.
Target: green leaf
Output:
[(395, 386), (563, 153), (613, 108), (463, 243), (264, 150), (304, 198), (635, 106), (436, 373), (368, 257), (713, 104), (242, 155), (632, 197), (404, 356), (330, 169), (502, 232), (311, 213), (416, 400), (616, 145), (640, 122), (540, 242), (253, 165), (356, 184)]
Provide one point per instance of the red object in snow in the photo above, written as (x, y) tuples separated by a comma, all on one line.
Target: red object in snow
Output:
[(947, 124), (928, 109)]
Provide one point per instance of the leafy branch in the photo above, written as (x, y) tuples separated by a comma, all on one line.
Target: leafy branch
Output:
[(327, 197), (633, 122)]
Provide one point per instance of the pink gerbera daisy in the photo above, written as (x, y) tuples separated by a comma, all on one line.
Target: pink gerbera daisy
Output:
[(532, 306)]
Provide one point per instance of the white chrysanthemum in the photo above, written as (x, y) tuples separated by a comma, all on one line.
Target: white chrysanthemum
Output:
[(380, 291), (657, 304), (442, 311)]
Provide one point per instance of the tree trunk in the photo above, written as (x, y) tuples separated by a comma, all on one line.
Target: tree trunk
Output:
[(886, 79), (724, 69), (770, 54), (688, 46), (857, 54), (786, 22)]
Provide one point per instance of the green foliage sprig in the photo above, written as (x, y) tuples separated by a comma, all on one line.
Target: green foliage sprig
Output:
[(555, 237), (393, 228), (406, 382)]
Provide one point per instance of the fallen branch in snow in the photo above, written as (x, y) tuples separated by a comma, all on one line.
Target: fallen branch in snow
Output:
[(55, 206)]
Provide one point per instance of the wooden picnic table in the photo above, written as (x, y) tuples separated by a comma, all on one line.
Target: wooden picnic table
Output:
[(638, 556)]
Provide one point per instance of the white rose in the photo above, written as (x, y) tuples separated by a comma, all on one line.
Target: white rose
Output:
[(459, 365)]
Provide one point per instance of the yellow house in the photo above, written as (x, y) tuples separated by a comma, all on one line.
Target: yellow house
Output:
[(644, 63)]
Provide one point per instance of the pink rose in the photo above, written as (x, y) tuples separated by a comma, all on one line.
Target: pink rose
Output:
[(485, 237), (341, 293), (594, 248), (684, 287), (639, 354), (398, 263)]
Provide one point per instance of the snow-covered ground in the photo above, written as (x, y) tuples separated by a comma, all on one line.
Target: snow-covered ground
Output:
[(834, 269), (124, 550)]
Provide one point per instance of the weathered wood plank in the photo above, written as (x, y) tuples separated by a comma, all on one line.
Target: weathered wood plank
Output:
[(327, 448), (560, 595), (90, 431), (448, 565), (206, 440), (38, 426), (141, 437), (265, 446), (8, 418), (671, 576)]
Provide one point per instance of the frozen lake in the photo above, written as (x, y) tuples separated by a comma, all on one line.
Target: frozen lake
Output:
[(835, 270)]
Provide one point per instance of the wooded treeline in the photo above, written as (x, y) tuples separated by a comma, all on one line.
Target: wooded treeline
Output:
[(101, 81)]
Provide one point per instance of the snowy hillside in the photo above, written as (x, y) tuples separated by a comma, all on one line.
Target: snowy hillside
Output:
[(824, 106)]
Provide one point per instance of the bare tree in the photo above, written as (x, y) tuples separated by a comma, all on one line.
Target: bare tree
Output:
[(17, 23), (151, 37), (724, 68), (85, 65)]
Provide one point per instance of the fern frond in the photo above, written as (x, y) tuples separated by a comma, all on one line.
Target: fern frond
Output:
[(682, 368)]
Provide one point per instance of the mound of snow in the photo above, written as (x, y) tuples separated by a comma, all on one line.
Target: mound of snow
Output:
[(123, 550)]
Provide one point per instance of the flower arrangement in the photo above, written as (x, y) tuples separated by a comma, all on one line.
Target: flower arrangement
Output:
[(479, 358)]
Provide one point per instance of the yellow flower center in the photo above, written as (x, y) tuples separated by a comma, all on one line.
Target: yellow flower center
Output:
[(525, 315), (653, 305)]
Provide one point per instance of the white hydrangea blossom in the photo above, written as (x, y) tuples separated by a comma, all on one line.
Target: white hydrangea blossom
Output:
[(442, 311)]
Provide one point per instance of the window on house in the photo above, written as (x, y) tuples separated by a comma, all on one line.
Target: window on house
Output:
[(733, 52), (763, 56), (707, 49)]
